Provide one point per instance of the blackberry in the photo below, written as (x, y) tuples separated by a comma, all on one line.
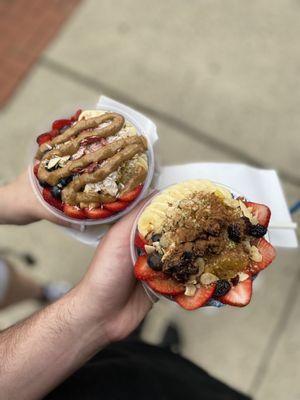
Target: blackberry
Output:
[(234, 233), (154, 261), (222, 288), (257, 231)]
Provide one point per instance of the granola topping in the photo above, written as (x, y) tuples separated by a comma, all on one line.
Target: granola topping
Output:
[(203, 238)]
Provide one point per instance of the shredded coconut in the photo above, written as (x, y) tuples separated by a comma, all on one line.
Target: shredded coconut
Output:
[(107, 186)]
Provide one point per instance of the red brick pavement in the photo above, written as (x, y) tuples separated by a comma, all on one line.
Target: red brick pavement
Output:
[(26, 27)]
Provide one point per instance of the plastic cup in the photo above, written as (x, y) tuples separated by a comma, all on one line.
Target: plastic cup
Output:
[(154, 296), (82, 223)]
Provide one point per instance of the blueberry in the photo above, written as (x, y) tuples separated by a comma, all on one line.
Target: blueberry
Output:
[(156, 238), (222, 288), (139, 251), (154, 261), (257, 231), (234, 233), (56, 192), (43, 184), (65, 181)]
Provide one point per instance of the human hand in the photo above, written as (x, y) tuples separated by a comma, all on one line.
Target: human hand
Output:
[(19, 205), (109, 289)]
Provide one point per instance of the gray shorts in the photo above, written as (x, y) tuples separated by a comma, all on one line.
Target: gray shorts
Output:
[(4, 279)]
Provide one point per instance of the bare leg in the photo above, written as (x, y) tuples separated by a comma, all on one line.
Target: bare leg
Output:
[(20, 287)]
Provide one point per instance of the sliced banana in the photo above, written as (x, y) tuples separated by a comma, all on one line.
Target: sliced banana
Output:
[(90, 114), (155, 214)]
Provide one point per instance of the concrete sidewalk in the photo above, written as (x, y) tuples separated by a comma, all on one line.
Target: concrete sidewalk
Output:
[(221, 81)]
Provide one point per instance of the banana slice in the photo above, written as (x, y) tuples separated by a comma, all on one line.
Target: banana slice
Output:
[(151, 220), (90, 114), (154, 216)]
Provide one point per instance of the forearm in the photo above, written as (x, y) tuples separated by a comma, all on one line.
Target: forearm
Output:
[(15, 206), (39, 353)]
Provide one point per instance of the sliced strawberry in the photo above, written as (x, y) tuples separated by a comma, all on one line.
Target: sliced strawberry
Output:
[(166, 285), (261, 212), (43, 138), (97, 213), (36, 167), (239, 295), (49, 198), (60, 123), (201, 297), (268, 254), (115, 206), (143, 272), (130, 196), (74, 212), (139, 241), (54, 133), (76, 116), (93, 139)]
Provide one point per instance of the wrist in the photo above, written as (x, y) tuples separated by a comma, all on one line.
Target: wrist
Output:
[(87, 325)]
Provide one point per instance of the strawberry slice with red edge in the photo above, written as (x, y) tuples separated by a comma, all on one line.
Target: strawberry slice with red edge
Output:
[(165, 285), (76, 115), (200, 298), (130, 196), (261, 212), (36, 168), (268, 254), (50, 199), (44, 138), (115, 206), (139, 241), (239, 295), (97, 213), (60, 123), (143, 272), (54, 133), (73, 212)]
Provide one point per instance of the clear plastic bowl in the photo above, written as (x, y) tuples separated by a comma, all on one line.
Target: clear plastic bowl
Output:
[(134, 255), (86, 222)]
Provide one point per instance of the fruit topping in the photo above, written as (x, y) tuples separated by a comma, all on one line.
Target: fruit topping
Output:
[(166, 286), (76, 115), (261, 212), (154, 261), (116, 206), (142, 270), (60, 123), (268, 254), (222, 287), (257, 231), (97, 213), (239, 295), (50, 199), (73, 212), (130, 196), (200, 298), (234, 233), (44, 138), (56, 192), (139, 242)]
